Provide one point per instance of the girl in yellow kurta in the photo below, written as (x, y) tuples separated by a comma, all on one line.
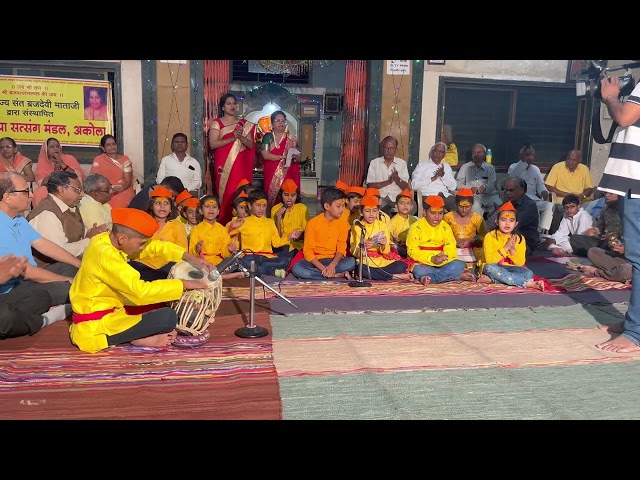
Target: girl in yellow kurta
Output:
[(291, 219), (210, 240), (468, 227), (377, 263), (258, 236), (162, 209), (504, 253), (190, 214), (111, 304)]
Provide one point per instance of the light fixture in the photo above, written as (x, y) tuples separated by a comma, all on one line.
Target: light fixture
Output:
[(292, 67)]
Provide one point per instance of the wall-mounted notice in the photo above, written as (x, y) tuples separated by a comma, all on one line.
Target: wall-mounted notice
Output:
[(398, 67)]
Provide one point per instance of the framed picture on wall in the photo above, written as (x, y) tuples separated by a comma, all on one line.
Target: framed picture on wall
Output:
[(332, 103), (310, 111)]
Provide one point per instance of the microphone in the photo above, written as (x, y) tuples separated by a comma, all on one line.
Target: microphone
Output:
[(227, 262)]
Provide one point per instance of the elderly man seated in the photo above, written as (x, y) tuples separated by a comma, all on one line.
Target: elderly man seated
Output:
[(94, 204), (30, 297), (480, 177), (435, 177), (57, 219)]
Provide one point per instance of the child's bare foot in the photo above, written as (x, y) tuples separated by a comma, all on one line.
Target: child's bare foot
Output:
[(402, 276), (467, 276), (613, 328), (426, 280), (619, 345), (230, 276), (558, 252), (536, 284), (159, 340), (484, 279), (588, 269)]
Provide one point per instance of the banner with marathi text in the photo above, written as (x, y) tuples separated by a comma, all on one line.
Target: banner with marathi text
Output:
[(76, 112)]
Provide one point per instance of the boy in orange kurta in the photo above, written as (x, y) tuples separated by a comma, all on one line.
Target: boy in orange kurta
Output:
[(325, 241)]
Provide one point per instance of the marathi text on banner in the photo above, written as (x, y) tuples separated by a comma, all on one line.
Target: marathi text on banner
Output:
[(76, 112)]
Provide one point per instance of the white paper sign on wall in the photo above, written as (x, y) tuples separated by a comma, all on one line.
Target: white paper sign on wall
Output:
[(398, 67)]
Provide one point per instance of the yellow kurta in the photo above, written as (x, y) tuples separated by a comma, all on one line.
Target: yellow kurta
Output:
[(493, 250), (298, 218), (260, 235), (384, 217), (375, 253), (421, 234), (399, 227), (215, 241), (105, 280), (172, 231)]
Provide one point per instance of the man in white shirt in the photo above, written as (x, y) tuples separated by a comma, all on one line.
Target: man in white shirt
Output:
[(536, 190), (182, 165), (389, 174), (94, 204), (435, 177), (57, 219)]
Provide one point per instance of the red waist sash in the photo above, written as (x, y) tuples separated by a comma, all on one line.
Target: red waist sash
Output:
[(439, 249), (130, 309)]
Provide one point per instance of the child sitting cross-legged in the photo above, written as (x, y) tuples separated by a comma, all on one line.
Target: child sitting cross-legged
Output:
[(575, 221), (210, 240), (374, 236), (325, 241), (504, 253), (401, 221), (291, 217), (431, 244), (258, 235)]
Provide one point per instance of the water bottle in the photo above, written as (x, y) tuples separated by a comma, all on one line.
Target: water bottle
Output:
[(488, 156)]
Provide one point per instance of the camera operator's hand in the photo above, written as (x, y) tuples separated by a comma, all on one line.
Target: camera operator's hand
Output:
[(609, 87)]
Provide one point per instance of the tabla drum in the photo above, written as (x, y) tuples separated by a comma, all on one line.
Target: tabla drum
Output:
[(196, 309)]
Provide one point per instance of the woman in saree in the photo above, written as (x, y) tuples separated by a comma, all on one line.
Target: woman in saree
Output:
[(274, 152), (232, 142), (118, 169), (51, 159), (12, 161)]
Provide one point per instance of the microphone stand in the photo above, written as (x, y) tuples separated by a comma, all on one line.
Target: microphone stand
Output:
[(359, 282), (252, 330)]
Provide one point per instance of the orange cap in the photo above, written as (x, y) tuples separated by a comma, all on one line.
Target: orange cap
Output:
[(405, 193), (464, 192), (369, 201), (161, 192), (135, 219), (242, 183), (356, 190), (242, 197), (372, 191), (289, 186), (342, 186), (507, 206), (191, 203), (182, 196), (434, 202)]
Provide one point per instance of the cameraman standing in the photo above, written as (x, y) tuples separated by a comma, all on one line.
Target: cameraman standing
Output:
[(622, 176)]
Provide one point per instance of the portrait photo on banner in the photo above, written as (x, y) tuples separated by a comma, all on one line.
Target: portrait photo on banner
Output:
[(95, 103)]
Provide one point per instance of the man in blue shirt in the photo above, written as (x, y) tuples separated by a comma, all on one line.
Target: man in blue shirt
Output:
[(30, 297)]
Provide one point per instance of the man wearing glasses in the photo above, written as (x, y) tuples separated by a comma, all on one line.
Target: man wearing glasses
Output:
[(57, 219), (30, 297), (94, 205)]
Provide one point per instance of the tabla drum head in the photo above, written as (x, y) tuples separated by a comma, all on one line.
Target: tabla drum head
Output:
[(191, 341)]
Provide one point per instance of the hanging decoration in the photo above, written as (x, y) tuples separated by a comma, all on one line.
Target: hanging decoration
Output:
[(352, 161), (292, 67)]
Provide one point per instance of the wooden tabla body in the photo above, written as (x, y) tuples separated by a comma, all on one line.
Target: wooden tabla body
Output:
[(196, 309)]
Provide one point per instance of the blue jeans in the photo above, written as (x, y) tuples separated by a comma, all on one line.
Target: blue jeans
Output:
[(447, 272), (264, 265), (508, 274), (305, 269), (631, 229)]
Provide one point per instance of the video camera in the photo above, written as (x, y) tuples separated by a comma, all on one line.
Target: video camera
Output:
[(588, 79)]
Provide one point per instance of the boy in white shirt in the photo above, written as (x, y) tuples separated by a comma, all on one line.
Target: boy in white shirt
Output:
[(575, 221)]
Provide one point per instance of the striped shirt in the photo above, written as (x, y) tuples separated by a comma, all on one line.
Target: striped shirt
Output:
[(622, 172)]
